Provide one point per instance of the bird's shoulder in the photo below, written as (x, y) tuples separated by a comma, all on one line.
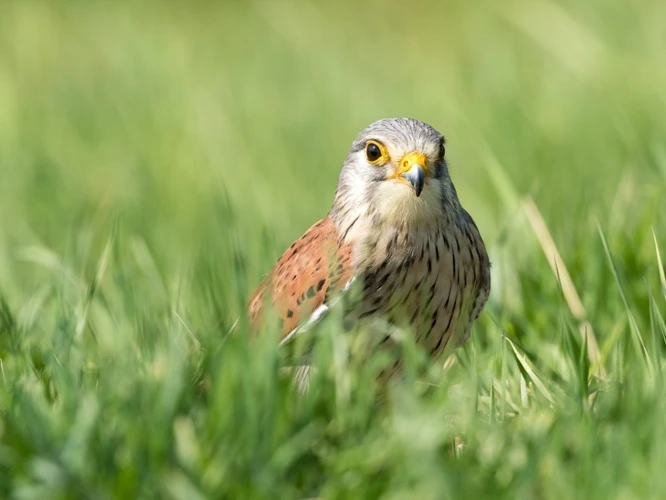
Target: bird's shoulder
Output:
[(307, 275), (482, 273), (483, 261)]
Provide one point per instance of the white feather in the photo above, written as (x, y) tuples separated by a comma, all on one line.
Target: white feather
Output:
[(316, 315)]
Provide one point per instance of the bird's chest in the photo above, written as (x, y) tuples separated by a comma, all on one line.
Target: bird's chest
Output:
[(428, 285)]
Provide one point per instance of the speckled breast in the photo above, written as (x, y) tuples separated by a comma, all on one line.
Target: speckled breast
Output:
[(436, 289)]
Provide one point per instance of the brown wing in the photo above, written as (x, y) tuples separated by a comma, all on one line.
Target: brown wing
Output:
[(312, 270)]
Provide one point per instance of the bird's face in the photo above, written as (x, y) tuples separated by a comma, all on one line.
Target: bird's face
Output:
[(396, 169)]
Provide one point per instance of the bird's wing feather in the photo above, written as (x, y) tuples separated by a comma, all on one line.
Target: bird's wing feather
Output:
[(483, 282), (305, 281)]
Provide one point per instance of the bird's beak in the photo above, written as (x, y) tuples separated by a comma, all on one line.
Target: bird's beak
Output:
[(414, 169)]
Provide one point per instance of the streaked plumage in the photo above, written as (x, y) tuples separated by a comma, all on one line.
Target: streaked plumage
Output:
[(398, 229)]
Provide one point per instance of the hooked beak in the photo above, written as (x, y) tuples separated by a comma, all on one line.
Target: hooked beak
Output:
[(414, 170), (416, 177)]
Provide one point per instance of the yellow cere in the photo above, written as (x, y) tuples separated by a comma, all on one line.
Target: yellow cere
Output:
[(413, 159), (407, 162)]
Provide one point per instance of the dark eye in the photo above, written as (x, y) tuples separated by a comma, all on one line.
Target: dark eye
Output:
[(373, 152)]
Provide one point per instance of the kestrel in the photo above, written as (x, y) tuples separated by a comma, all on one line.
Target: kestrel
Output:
[(397, 227)]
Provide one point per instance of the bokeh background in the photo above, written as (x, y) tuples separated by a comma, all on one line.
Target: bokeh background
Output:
[(157, 157), (155, 110)]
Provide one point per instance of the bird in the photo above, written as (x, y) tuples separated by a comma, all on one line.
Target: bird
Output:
[(398, 232)]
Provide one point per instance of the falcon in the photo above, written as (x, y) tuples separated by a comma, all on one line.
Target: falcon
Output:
[(397, 230)]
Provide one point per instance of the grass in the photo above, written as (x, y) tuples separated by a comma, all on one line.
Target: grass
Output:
[(156, 158)]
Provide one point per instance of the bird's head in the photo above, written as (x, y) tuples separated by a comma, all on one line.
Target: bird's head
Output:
[(396, 171)]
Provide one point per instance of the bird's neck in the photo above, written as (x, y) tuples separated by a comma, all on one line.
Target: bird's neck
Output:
[(390, 207), (378, 231)]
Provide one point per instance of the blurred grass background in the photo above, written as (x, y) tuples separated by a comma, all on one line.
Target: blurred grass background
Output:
[(156, 158)]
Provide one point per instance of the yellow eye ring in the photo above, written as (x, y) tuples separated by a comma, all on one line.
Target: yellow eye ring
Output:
[(375, 153)]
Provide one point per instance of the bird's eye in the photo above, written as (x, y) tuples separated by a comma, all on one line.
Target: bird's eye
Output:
[(375, 152)]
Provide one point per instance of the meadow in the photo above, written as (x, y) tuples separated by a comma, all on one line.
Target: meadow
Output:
[(155, 160)]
